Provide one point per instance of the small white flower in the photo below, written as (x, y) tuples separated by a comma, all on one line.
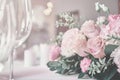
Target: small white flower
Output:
[(104, 8), (97, 6), (101, 20)]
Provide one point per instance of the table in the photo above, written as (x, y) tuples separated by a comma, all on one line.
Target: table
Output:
[(37, 73)]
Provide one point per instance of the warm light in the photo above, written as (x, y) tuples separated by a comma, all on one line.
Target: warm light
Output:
[(47, 11), (49, 8), (50, 5)]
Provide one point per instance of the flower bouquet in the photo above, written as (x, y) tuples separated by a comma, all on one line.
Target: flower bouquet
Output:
[(92, 49)]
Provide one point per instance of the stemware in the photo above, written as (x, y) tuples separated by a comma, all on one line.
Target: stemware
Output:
[(22, 26), (18, 15)]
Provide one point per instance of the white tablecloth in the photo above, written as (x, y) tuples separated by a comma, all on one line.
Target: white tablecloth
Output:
[(36, 73)]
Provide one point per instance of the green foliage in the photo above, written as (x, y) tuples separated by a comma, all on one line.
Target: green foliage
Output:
[(67, 19), (81, 75), (102, 8), (103, 69), (69, 65), (114, 38), (109, 49), (116, 77), (99, 66), (58, 39), (108, 74)]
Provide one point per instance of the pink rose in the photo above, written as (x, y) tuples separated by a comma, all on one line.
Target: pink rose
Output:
[(73, 42), (84, 64), (54, 52), (114, 17), (96, 47), (113, 26), (90, 29)]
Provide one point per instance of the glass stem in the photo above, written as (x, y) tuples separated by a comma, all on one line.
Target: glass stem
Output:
[(11, 75)]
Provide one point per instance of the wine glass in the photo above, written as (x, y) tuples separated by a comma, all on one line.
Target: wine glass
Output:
[(15, 28), (18, 15), (6, 37), (21, 20)]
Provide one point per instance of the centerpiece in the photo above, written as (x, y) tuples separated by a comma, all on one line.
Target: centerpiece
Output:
[(92, 49)]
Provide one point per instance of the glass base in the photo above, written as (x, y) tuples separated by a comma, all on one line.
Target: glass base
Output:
[(11, 79)]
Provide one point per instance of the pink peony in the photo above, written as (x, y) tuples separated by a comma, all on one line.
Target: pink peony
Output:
[(54, 52), (113, 26), (90, 29), (104, 32), (96, 47), (73, 42), (84, 64)]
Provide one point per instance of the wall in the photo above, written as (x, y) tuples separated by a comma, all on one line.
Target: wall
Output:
[(85, 7)]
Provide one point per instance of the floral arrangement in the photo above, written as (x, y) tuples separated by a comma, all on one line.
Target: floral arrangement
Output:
[(92, 49)]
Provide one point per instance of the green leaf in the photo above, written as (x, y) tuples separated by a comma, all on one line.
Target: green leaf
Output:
[(59, 70), (52, 69), (81, 75), (53, 64), (108, 74), (66, 65), (109, 48), (116, 76)]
